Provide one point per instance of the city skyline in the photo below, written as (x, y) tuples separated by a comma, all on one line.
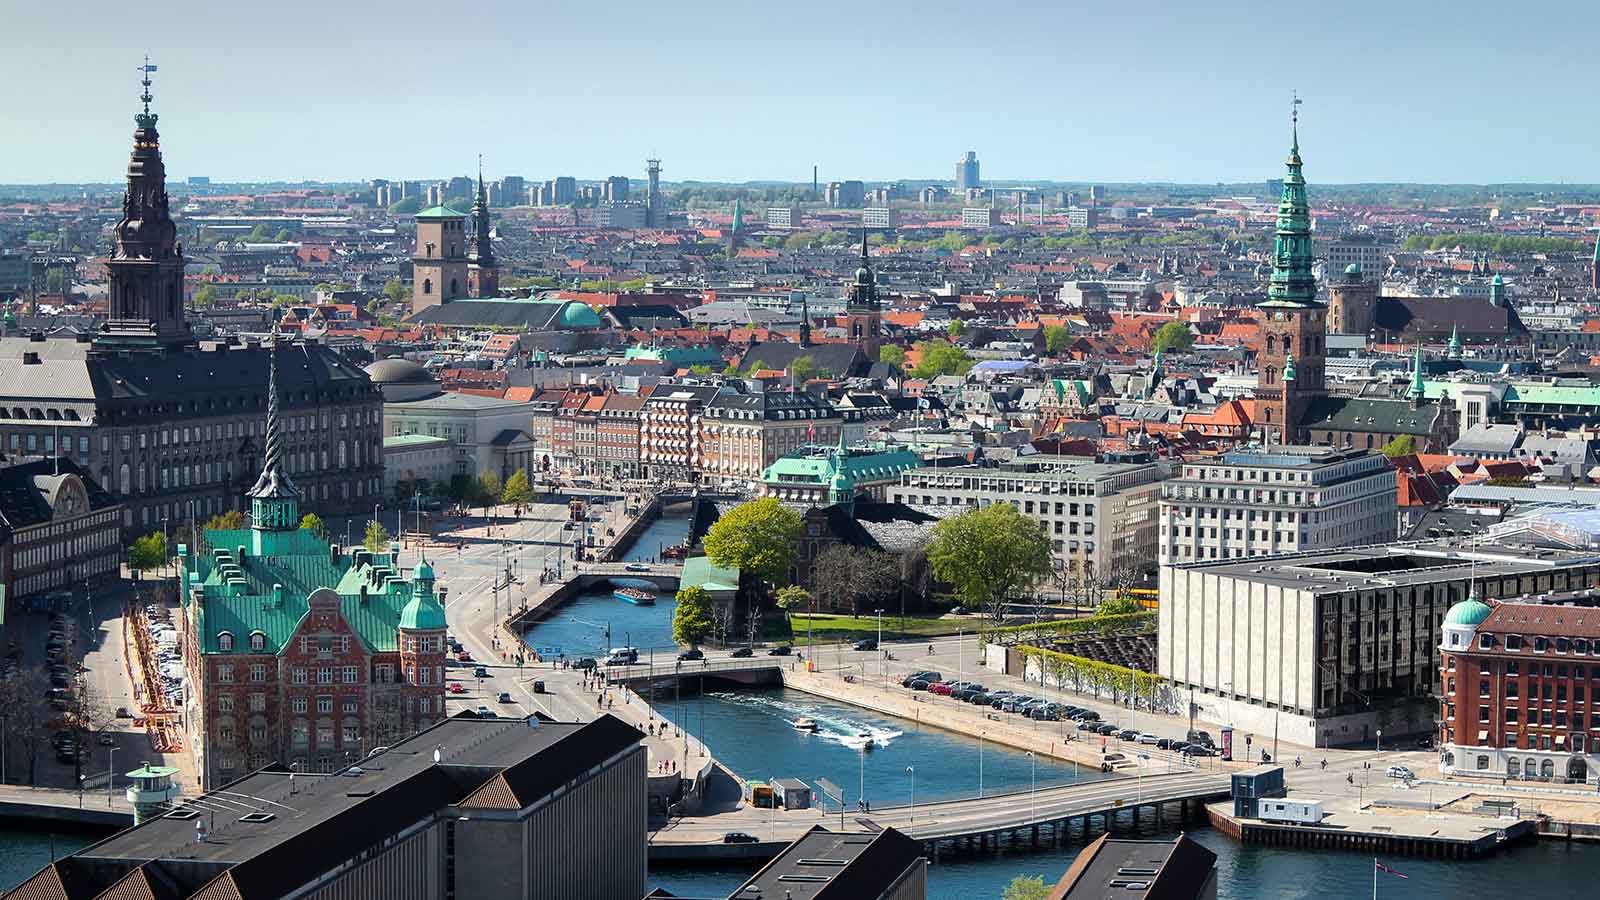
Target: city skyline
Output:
[(1051, 77)]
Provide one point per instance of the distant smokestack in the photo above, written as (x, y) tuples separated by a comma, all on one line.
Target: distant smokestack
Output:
[(813, 179)]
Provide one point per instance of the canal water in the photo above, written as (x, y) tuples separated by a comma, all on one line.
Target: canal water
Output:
[(24, 851)]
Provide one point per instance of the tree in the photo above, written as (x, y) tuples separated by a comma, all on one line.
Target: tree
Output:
[(377, 537), (1404, 445), (1056, 338), (701, 369), (758, 537), (395, 290), (279, 300), (232, 520), (488, 488), (282, 235), (892, 354), (722, 620), (313, 523), (1173, 337), (941, 358), (1026, 887), (1119, 605), (845, 576), (86, 715), (517, 491), (804, 368), (24, 718), (691, 620), (956, 328), (988, 555), (792, 597), (206, 296), (148, 553)]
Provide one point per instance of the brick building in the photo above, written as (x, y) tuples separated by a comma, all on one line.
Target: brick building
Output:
[(1520, 691), (297, 651)]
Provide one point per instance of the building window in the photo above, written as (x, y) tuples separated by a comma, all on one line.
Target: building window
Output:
[(258, 641), (258, 672), (225, 642), (258, 703), (325, 675), (298, 675), (324, 704), (225, 703), (349, 674), (225, 673), (298, 705)]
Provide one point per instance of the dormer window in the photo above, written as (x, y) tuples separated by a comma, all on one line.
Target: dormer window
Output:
[(258, 641), (225, 642)]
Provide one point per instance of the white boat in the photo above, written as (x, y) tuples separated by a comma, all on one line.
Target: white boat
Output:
[(804, 724), (866, 739)]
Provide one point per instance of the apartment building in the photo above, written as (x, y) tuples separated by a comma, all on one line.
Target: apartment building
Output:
[(669, 431), (747, 428), (1104, 513), (1288, 499)]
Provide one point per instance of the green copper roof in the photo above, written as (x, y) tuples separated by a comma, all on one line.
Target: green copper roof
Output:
[(1293, 283), (439, 212), (813, 466), (699, 571), (1288, 367), (1468, 612), (422, 612), (1353, 269), (1417, 390), (577, 315)]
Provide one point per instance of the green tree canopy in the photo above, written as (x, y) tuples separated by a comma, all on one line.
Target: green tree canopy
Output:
[(406, 207), (377, 537), (489, 487), (892, 354), (701, 369), (517, 491), (1403, 445), (1026, 887), (148, 552), (1056, 338), (231, 520), (1120, 605), (395, 290), (941, 358), (757, 537), (284, 300), (691, 620), (805, 368), (206, 296), (792, 597), (956, 328), (313, 523), (1173, 337), (989, 554)]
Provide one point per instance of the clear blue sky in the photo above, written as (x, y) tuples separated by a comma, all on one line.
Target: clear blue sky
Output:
[(737, 90)]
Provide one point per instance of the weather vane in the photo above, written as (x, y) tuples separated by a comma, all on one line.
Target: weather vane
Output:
[(1294, 107), (146, 119)]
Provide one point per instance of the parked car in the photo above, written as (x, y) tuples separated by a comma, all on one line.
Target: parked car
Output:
[(940, 688), (1128, 734), (979, 698), (456, 687), (929, 677), (1179, 747), (780, 650), (463, 656), (480, 672), (742, 653), (1086, 725), (740, 837), (959, 611), (692, 654), (485, 712), (1105, 729), (505, 697), (919, 685), (637, 567), (866, 644), (1201, 737), (1148, 739), (106, 739), (1164, 744), (1400, 772)]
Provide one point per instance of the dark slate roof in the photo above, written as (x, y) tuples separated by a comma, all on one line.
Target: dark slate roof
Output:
[(648, 316), (857, 865), (534, 316), (836, 359), (1363, 415), (26, 490), (1436, 317), (769, 405)]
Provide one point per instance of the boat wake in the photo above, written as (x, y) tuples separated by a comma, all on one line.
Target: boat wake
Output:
[(833, 725)]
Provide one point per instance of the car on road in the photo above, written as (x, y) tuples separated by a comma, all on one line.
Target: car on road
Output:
[(480, 672), (505, 697), (1400, 772), (123, 713), (1149, 739), (584, 662), (740, 837), (106, 739), (865, 644), (456, 687), (780, 650), (636, 567), (693, 654), (463, 656), (485, 712), (742, 653)]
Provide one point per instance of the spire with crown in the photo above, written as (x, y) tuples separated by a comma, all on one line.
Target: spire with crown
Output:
[(482, 246), (1416, 391), (274, 500), (1293, 283), (864, 292), (1454, 346)]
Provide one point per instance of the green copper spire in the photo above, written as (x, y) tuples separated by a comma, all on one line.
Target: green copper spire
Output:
[(1292, 283), (738, 215), (1416, 392), (1288, 368), (274, 500), (1455, 343)]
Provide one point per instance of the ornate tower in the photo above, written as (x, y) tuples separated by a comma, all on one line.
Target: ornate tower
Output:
[(274, 500), (145, 303), (863, 317), (1292, 322), (439, 268), (1351, 302), (483, 274), (421, 640), (1594, 266), (805, 320)]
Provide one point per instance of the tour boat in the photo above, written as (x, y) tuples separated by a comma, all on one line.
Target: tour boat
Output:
[(805, 724), (636, 596)]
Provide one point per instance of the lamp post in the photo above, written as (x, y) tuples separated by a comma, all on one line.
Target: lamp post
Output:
[(981, 735), (111, 758), (911, 771), (1033, 783), (883, 657), (1379, 748)]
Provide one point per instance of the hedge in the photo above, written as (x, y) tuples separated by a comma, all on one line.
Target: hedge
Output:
[(1084, 673), (1038, 632)]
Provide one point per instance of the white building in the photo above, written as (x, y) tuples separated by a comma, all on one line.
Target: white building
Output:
[(1102, 512), (488, 434), (978, 217), (418, 457), (1284, 499), (785, 217), (877, 217)]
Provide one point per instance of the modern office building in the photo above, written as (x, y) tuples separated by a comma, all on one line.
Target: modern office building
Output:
[(878, 217), (845, 194), (1331, 647), (1519, 690), (615, 189), (1083, 217), (967, 171), (487, 809), (1104, 513), (1263, 501), (784, 217), (1363, 251), (980, 217)]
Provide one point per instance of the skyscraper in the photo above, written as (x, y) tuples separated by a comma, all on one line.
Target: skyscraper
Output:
[(1292, 328), (967, 171)]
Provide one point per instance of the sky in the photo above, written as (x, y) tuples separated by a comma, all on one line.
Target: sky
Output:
[(745, 90)]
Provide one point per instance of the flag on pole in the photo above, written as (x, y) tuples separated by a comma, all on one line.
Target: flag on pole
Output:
[(1384, 868)]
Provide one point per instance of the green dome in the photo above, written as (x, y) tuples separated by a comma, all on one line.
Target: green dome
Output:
[(1497, 280), (422, 613), (577, 315), (1468, 612)]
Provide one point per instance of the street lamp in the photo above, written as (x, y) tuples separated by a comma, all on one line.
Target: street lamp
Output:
[(912, 772), (111, 757), (883, 655), (1379, 748), (1033, 783), (981, 735)]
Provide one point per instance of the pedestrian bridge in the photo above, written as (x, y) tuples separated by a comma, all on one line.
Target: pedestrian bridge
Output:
[(662, 575)]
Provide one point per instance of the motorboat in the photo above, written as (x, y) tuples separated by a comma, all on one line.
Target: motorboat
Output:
[(805, 724), (636, 596), (866, 739)]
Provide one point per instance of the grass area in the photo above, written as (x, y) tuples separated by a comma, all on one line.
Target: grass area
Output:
[(825, 629)]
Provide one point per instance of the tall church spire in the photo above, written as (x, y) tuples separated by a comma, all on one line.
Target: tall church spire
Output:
[(145, 302), (483, 274), (805, 320), (274, 498), (1293, 283)]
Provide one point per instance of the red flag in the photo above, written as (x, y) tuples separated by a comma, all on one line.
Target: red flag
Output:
[(1384, 868), (811, 434)]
